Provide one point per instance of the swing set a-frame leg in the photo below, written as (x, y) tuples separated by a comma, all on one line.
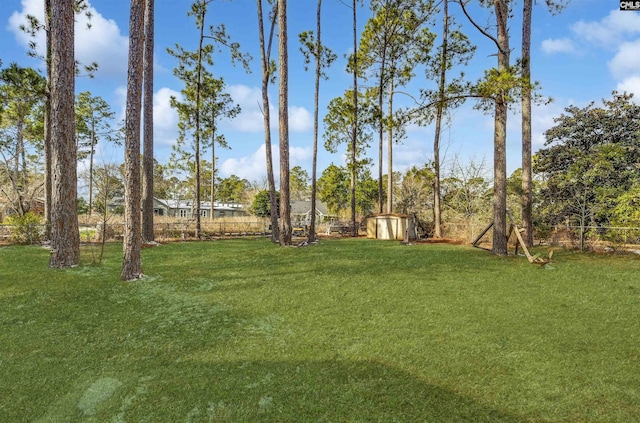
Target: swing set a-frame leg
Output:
[(514, 228), (484, 231)]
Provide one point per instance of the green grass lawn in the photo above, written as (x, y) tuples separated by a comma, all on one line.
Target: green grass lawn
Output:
[(347, 330)]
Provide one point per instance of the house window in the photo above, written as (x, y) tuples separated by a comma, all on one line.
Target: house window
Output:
[(203, 213), (183, 213)]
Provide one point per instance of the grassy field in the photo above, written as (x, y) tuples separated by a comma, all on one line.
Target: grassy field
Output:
[(348, 330)]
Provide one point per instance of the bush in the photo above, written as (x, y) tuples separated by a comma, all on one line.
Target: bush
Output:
[(26, 229), (261, 206)]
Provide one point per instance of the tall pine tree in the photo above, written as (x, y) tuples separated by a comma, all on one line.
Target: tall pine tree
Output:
[(132, 259), (65, 237)]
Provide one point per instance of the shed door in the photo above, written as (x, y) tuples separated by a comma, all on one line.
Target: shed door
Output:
[(385, 228)]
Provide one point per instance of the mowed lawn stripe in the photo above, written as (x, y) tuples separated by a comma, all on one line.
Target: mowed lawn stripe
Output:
[(346, 330)]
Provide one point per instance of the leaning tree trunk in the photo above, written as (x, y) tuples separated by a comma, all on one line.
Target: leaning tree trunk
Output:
[(500, 138), (65, 238), (132, 261), (527, 174), (283, 104), (147, 158)]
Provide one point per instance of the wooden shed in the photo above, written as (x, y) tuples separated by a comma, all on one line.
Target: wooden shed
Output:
[(391, 226)]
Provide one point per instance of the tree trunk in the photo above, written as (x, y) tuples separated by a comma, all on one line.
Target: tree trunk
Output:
[(65, 238), (48, 169), (265, 55), (527, 177), (437, 210), (381, 138), (316, 114), (500, 138), (354, 131), (197, 122), (147, 158), (283, 105), (19, 176), (132, 261), (390, 151), (583, 217), (91, 154), (213, 166)]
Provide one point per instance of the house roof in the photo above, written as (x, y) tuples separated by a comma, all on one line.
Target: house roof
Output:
[(304, 207), (204, 205)]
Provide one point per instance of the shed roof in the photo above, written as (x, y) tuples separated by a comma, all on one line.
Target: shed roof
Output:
[(383, 215)]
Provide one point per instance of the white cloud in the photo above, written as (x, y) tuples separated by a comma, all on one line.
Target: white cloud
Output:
[(165, 117), (300, 120), (610, 30), (102, 43), (618, 31), (29, 7), (108, 153), (121, 101), (412, 152), (299, 156), (626, 62), (414, 128), (250, 100), (559, 45), (251, 118), (542, 119), (631, 85), (254, 166), (251, 168)]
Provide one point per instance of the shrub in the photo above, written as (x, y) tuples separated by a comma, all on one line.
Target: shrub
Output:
[(261, 206), (26, 229)]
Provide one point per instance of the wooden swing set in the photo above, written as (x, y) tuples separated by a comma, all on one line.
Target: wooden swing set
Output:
[(533, 259)]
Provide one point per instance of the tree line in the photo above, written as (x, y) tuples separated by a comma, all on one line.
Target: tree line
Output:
[(399, 39)]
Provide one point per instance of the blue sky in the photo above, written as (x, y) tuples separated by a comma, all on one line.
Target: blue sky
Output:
[(581, 55)]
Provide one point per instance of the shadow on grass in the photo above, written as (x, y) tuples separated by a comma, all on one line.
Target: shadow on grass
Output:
[(324, 391)]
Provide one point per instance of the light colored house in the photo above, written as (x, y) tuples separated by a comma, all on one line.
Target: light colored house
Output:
[(185, 208), (301, 212), (160, 207)]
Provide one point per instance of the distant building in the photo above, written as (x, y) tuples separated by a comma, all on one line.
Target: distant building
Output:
[(185, 208), (301, 212)]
